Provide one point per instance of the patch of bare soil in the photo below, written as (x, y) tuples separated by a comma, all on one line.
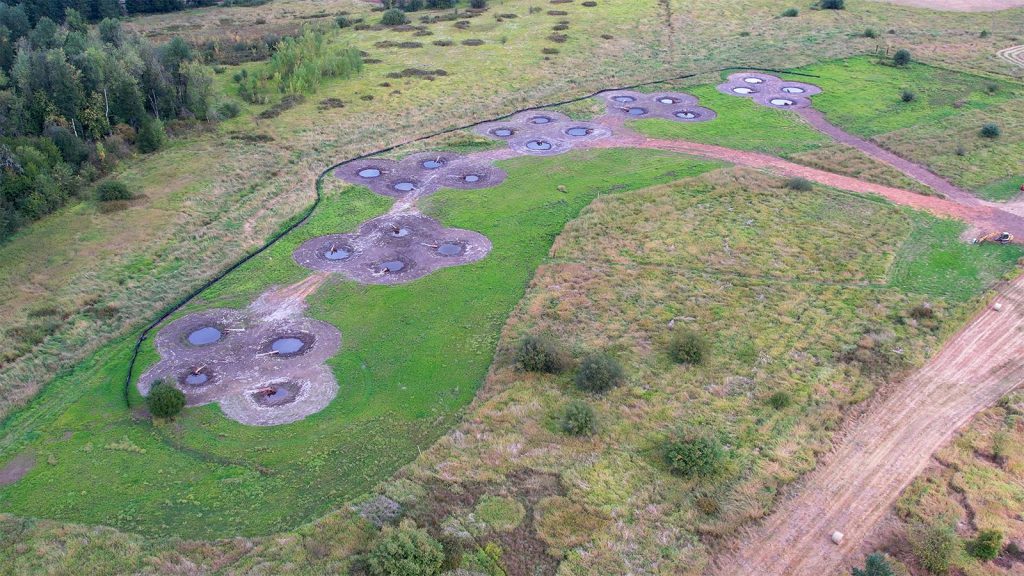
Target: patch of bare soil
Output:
[(17, 468), (854, 487), (961, 5)]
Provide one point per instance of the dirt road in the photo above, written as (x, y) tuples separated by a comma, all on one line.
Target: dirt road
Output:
[(961, 5), (855, 486), (979, 215)]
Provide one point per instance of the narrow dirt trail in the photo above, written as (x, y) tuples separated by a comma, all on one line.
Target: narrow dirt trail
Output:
[(977, 214), (855, 485), (817, 120)]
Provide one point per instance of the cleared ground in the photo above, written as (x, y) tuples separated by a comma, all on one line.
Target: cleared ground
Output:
[(881, 453), (962, 5)]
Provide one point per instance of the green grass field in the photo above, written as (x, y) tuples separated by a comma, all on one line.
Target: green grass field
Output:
[(413, 356)]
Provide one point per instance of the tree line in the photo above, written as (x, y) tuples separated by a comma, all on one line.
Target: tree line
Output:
[(96, 10), (74, 99)]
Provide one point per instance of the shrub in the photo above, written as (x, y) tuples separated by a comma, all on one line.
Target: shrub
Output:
[(960, 150), (393, 17), (984, 34), (832, 4), (540, 354), (870, 33), (599, 373), (228, 109), (780, 400), (987, 545), (578, 419), (790, 13), (934, 546), (694, 456), (164, 400), (991, 87), (478, 4), (405, 551), (901, 57), (875, 565), (109, 190), (151, 136), (686, 347), (800, 184), (908, 96), (343, 21), (990, 131)]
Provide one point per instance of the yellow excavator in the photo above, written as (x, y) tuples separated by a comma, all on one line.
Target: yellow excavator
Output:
[(997, 237)]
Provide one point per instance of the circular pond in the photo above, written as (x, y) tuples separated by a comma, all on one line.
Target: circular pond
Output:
[(752, 80), (781, 102), (204, 336), (686, 114), (405, 186), (578, 131), (335, 252), (451, 248), (624, 99), (391, 266), (793, 90), (369, 173), (743, 90), (433, 164), (538, 145), (471, 178), (540, 120), (503, 132), (636, 111)]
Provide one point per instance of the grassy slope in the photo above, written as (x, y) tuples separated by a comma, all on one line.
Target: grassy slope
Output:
[(976, 486), (687, 251), (213, 197), (940, 128), (413, 356)]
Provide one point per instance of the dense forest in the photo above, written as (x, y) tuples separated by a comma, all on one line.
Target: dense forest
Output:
[(96, 10), (75, 99)]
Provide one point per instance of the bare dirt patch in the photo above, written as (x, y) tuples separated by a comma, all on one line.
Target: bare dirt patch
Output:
[(961, 5), (17, 468)]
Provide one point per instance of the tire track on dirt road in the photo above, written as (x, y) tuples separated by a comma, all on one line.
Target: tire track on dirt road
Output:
[(853, 488)]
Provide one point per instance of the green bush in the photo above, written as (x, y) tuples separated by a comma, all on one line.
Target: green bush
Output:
[(832, 4), (686, 347), (538, 353), (800, 184), (405, 551), (164, 400), (393, 17), (780, 400), (987, 545), (908, 96), (934, 546), (875, 565), (870, 33), (478, 4), (578, 419), (343, 21), (151, 136), (694, 456), (790, 13), (109, 190), (228, 109), (599, 373), (902, 57), (991, 131)]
